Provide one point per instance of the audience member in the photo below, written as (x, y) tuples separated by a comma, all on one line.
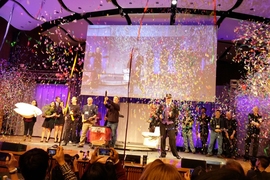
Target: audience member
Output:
[(259, 173), (104, 167), (158, 170), (34, 165), (198, 171), (222, 174), (73, 164), (234, 165)]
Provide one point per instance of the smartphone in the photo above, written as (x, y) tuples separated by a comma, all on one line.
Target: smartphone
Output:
[(4, 155), (51, 152), (104, 152)]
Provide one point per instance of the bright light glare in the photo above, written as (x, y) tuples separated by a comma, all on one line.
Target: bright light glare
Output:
[(174, 2)]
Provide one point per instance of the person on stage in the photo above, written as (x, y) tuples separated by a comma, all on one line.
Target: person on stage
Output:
[(72, 118), (59, 121), (29, 124), (203, 122), (253, 132), (48, 124), (230, 136), (217, 125), (187, 124), (112, 116), (89, 114), (168, 126)]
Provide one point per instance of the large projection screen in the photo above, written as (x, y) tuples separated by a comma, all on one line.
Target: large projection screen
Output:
[(180, 60)]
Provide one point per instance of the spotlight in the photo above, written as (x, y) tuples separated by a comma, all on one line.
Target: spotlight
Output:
[(174, 2)]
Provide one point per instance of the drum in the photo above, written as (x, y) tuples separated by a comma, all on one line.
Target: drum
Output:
[(99, 135)]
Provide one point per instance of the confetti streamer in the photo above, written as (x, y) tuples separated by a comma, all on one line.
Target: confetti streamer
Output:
[(8, 25)]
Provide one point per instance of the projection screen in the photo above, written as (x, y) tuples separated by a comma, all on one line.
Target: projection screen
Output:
[(180, 60)]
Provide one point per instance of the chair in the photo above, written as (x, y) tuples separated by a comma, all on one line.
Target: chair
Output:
[(152, 139)]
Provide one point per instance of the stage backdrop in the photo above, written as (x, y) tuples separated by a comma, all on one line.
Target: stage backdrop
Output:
[(180, 60)]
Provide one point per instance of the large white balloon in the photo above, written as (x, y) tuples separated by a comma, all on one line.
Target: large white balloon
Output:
[(27, 110)]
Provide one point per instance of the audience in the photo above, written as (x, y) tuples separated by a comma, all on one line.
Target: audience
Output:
[(104, 167), (198, 171), (259, 173), (34, 165), (158, 170), (222, 174), (73, 164), (234, 165)]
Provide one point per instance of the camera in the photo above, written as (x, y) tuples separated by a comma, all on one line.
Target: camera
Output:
[(104, 152), (51, 151), (4, 155)]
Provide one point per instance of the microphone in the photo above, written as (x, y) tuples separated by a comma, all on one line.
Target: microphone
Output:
[(106, 93)]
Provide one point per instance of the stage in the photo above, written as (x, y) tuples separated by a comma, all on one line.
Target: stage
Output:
[(151, 154)]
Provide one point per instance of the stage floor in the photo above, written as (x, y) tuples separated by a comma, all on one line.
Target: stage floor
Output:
[(152, 155)]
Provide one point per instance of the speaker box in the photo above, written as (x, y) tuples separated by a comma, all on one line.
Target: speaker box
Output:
[(8, 146), (133, 159), (121, 157), (213, 165), (192, 163)]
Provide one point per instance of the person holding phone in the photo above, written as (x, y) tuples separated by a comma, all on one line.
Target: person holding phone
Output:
[(105, 166), (112, 116)]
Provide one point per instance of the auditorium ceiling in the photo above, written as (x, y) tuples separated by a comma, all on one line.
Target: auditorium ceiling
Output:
[(67, 20)]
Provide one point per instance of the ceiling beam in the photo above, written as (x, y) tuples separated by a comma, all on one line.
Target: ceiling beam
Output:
[(236, 5), (47, 25), (3, 2), (122, 12), (29, 14)]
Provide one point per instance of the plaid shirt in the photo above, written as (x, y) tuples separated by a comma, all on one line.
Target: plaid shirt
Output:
[(67, 172)]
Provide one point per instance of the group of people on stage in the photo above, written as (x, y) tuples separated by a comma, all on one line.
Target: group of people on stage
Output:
[(221, 127), (76, 120)]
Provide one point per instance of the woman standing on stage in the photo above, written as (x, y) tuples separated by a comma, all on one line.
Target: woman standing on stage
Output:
[(48, 124), (29, 124), (59, 122)]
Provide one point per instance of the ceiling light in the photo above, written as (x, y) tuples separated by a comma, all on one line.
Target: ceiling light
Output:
[(174, 2)]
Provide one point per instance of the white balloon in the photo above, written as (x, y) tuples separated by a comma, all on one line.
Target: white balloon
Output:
[(27, 110)]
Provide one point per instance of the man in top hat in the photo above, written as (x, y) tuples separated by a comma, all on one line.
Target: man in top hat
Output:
[(168, 126)]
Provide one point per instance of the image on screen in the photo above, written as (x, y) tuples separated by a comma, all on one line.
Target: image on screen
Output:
[(180, 60)]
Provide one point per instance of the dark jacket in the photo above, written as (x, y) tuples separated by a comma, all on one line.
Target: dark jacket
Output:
[(113, 111)]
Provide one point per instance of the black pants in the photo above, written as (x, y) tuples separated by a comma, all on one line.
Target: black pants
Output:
[(70, 129), (248, 139), (168, 130), (28, 127), (204, 137), (229, 146)]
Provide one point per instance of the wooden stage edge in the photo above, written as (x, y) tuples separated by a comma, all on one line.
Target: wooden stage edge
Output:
[(151, 155)]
